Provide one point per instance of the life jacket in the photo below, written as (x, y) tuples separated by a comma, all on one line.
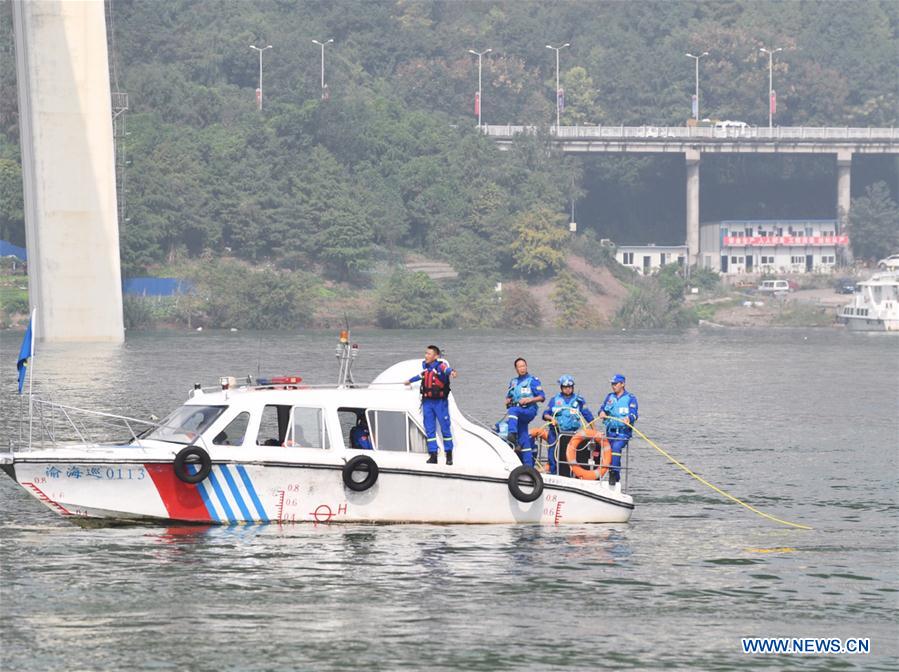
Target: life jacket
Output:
[(435, 383), (521, 388), (566, 411), (619, 407)]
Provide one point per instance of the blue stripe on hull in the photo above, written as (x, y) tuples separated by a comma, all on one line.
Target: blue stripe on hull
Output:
[(216, 486), (248, 484), (205, 495), (229, 479)]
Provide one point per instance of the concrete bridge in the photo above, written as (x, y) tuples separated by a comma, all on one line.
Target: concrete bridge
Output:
[(693, 141)]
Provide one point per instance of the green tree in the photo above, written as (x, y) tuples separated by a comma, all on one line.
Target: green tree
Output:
[(574, 311), (412, 301), (581, 96), (520, 308), (478, 304), (874, 223), (12, 214), (541, 237)]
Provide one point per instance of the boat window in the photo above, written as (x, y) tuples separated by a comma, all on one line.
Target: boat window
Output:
[(388, 430), (308, 429), (234, 433), (186, 423), (418, 442), (348, 418), (273, 426)]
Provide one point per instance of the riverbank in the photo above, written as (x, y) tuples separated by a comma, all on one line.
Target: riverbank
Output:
[(586, 294)]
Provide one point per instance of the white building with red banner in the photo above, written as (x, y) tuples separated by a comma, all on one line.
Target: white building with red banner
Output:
[(734, 247)]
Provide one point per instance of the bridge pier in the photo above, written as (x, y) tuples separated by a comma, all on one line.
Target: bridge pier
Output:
[(844, 173), (68, 170), (693, 158)]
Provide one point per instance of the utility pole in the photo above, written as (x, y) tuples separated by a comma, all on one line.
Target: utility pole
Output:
[(259, 90), (696, 95), (479, 54), (771, 98), (322, 45), (558, 97)]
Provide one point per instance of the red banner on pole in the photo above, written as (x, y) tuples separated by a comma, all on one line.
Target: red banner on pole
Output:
[(477, 103), (773, 102), (259, 99)]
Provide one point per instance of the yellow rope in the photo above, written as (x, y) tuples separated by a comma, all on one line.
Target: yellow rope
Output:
[(713, 487)]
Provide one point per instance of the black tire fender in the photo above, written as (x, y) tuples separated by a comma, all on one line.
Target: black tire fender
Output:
[(192, 455), (360, 463), (525, 472)]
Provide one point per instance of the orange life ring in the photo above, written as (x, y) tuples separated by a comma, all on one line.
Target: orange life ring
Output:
[(605, 458), (540, 432)]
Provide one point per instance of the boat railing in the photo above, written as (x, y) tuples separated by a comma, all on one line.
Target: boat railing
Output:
[(589, 452), (50, 424)]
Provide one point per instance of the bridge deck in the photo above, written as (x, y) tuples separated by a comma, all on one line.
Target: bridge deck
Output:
[(749, 139)]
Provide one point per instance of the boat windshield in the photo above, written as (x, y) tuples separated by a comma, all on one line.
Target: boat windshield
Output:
[(186, 424)]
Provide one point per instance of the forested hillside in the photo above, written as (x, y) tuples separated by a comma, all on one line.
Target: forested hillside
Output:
[(388, 162)]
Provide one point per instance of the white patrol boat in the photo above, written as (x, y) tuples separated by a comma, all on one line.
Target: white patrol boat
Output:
[(875, 304), (279, 450)]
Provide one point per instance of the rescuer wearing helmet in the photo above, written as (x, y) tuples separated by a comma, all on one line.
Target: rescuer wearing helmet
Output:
[(524, 394), (567, 412), (435, 388), (618, 413)]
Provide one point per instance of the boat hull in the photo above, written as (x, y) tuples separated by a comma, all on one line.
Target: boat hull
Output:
[(239, 492), (866, 324)]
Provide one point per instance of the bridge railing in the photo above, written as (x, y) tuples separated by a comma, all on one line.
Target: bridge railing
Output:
[(649, 133)]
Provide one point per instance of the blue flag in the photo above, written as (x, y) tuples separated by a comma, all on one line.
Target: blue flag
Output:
[(24, 355)]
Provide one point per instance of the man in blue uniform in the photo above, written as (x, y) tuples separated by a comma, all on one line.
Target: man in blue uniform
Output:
[(359, 435), (524, 395), (435, 388), (567, 412), (619, 407)]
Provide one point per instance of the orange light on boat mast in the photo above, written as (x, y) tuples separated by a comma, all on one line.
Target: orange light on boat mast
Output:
[(344, 336)]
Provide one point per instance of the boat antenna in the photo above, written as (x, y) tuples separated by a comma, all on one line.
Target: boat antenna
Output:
[(346, 356), (259, 357)]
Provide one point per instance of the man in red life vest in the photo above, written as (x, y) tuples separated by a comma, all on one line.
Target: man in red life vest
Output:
[(435, 388)]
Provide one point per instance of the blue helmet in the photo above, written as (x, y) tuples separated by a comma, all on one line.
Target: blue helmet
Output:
[(566, 380), (617, 378)]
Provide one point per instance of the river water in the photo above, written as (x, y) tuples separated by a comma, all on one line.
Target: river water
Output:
[(803, 424)]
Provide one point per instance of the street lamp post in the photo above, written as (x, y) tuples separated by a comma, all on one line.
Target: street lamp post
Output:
[(771, 103), (558, 99), (696, 95), (322, 45), (480, 55), (259, 91)]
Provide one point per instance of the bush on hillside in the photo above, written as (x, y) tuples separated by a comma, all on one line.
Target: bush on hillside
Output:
[(519, 308), (412, 301)]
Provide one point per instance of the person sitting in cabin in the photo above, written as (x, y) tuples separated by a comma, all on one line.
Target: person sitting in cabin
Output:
[(566, 412), (618, 413), (524, 395), (360, 438), (435, 388)]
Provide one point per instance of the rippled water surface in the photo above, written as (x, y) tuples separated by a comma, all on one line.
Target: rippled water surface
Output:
[(802, 424)]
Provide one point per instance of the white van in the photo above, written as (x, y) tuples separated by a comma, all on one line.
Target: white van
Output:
[(774, 287), (727, 123)]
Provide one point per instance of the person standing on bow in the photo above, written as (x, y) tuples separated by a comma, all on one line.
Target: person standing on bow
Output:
[(618, 414), (435, 388), (566, 412), (524, 395)]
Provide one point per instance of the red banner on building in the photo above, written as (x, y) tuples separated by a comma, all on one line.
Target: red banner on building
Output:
[(770, 241)]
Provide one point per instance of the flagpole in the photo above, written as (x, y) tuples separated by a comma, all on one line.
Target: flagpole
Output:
[(31, 379)]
